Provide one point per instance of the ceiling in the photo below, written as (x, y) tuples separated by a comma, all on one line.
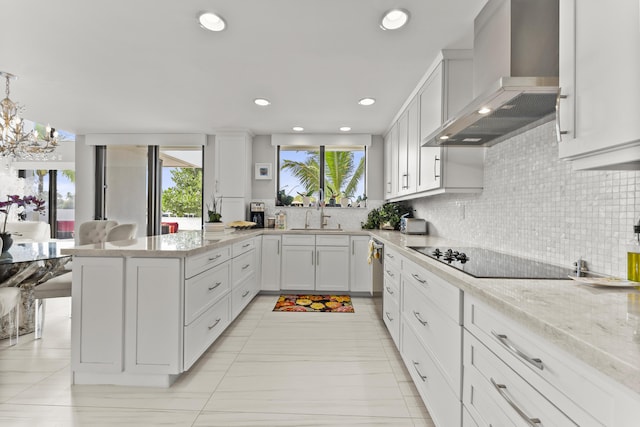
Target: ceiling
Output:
[(145, 66)]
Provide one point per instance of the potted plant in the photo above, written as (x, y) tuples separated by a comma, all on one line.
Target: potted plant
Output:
[(306, 198), (5, 208), (214, 210)]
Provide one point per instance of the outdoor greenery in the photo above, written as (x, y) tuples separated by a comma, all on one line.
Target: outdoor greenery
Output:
[(387, 213), (342, 175), (186, 196)]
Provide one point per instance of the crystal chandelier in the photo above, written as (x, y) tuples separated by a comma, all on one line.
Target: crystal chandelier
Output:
[(15, 142)]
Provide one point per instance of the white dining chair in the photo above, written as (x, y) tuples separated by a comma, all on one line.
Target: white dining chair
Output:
[(94, 231), (57, 287), (122, 232), (10, 305)]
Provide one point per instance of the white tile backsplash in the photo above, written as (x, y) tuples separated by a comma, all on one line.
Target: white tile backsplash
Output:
[(534, 205)]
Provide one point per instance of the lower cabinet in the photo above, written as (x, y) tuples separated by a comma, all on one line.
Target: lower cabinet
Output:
[(298, 268), (271, 258), (360, 270), (144, 321)]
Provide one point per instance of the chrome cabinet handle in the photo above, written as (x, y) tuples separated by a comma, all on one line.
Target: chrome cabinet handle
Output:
[(214, 324), (559, 132), (534, 422), (246, 245), (415, 366), (389, 290), (215, 257), (278, 247), (420, 319), (389, 316), (390, 256), (244, 267), (415, 276), (405, 181), (436, 159), (245, 294), (389, 187), (215, 286), (312, 258), (353, 248), (390, 273), (317, 258), (515, 350)]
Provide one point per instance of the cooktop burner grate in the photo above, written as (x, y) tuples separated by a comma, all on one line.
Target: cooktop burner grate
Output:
[(485, 263)]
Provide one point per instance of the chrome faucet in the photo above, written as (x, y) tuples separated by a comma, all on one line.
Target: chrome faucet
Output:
[(306, 218), (580, 267), (323, 217)]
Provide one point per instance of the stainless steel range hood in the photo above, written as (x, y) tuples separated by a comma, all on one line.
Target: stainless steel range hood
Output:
[(515, 74)]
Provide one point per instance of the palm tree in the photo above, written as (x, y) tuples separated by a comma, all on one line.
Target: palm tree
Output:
[(342, 175)]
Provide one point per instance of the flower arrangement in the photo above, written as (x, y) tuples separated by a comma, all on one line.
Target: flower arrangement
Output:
[(22, 202), (214, 211)]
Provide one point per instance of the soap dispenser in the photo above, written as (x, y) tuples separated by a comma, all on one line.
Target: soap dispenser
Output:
[(633, 256)]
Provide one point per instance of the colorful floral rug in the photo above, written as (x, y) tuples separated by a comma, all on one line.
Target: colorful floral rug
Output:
[(327, 303)]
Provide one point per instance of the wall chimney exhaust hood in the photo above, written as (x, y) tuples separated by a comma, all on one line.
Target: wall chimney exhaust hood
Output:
[(515, 75)]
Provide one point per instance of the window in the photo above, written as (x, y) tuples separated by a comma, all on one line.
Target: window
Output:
[(338, 170)]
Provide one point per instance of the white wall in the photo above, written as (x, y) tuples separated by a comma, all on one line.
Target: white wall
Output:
[(533, 204)]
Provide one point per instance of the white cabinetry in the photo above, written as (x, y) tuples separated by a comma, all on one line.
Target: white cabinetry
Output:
[(360, 269), (271, 256), (323, 263), (298, 262), (504, 363), (332, 263), (232, 160), (599, 76), (422, 171)]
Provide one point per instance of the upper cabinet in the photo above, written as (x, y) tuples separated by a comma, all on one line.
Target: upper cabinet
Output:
[(599, 67), (422, 171)]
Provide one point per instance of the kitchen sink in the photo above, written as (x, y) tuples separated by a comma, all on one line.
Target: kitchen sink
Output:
[(316, 230)]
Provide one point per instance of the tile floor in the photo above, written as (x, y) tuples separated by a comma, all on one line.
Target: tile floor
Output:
[(268, 369)]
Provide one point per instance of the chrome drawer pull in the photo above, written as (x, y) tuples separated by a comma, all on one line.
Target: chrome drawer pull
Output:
[(215, 257), (415, 366), (246, 245), (415, 276), (390, 273), (515, 350), (245, 294), (215, 286), (245, 266), (390, 256), (389, 316), (389, 290), (214, 325), (417, 314), (534, 422)]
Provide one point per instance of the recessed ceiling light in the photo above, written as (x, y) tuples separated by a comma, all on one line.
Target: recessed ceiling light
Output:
[(298, 128), (262, 102), (394, 19), (444, 137), (484, 110), (345, 129), (211, 21), (367, 101)]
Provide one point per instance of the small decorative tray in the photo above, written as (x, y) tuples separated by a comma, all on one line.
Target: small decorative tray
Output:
[(612, 282), (241, 225)]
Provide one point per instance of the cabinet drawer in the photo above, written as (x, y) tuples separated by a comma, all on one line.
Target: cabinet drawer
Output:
[(562, 379), (517, 400), (392, 290), (242, 247), (204, 289), (242, 267), (331, 240), (441, 293), (440, 334), (391, 257), (242, 294), (391, 317), (443, 405), (199, 335), (199, 263), (298, 240), (392, 274)]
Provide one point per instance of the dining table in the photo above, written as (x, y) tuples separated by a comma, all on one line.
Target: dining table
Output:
[(27, 265)]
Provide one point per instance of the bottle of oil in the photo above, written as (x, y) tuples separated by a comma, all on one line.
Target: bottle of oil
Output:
[(633, 256)]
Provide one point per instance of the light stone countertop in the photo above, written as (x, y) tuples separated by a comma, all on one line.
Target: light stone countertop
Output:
[(600, 326)]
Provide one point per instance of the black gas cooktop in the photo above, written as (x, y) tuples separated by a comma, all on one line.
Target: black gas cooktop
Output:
[(485, 263)]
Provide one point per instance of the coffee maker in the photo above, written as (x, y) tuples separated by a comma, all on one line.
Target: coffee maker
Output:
[(256, 214)]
